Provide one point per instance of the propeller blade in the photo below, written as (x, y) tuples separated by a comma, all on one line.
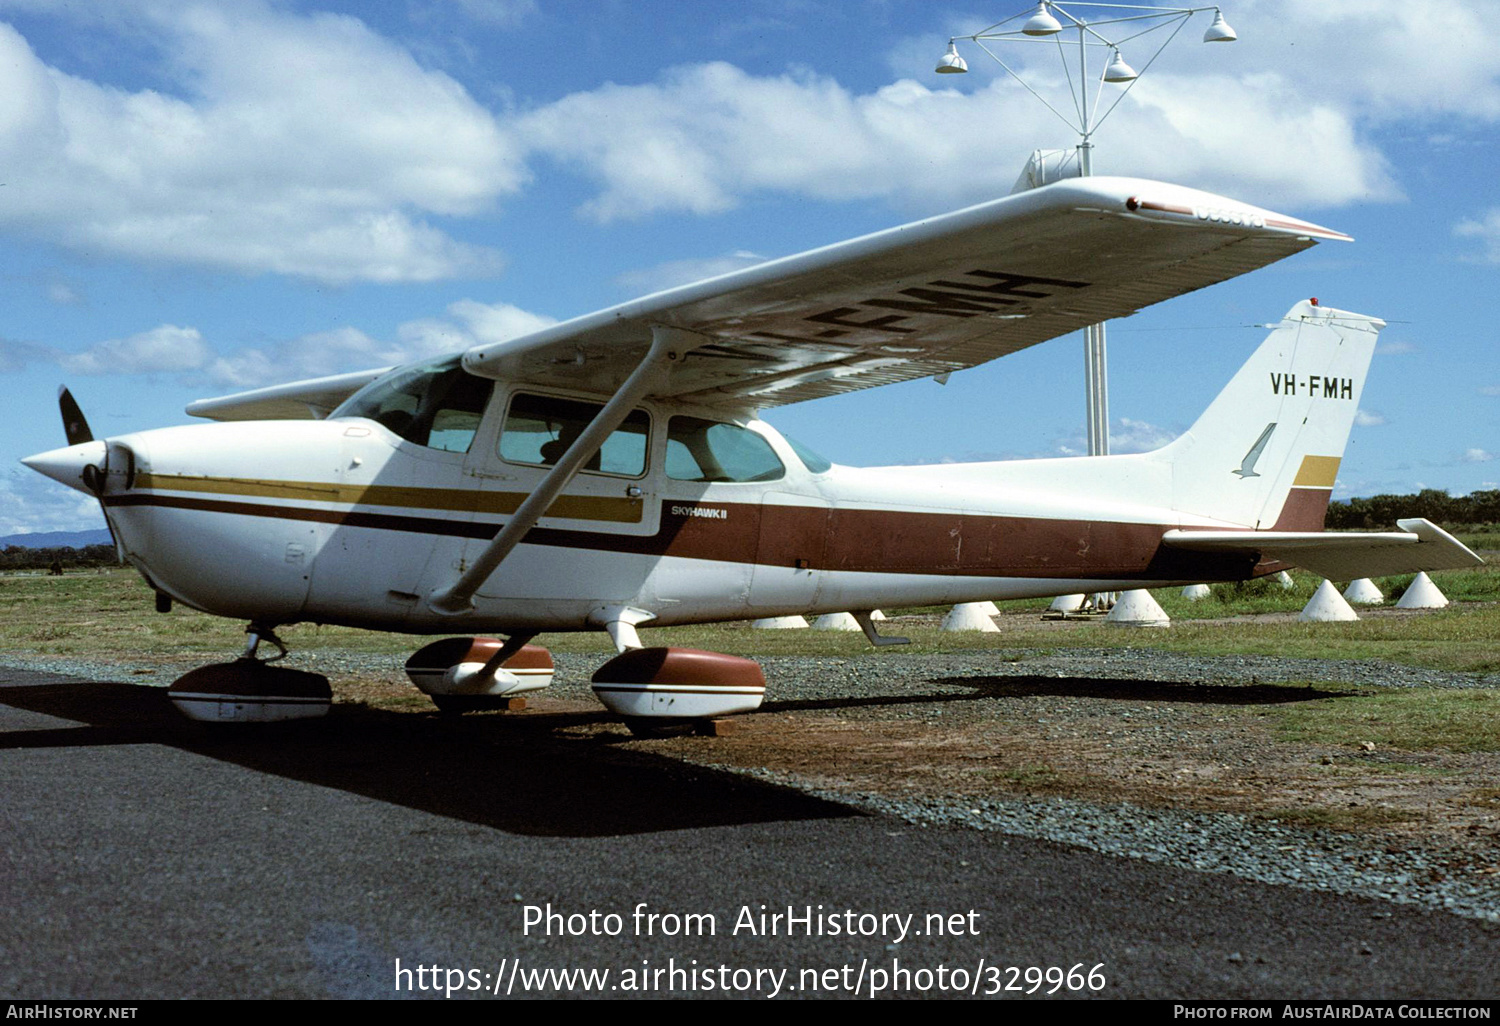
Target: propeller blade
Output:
[(74, 426)]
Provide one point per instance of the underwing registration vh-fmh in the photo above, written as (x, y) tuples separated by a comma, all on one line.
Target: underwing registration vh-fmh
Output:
[(612, 471)]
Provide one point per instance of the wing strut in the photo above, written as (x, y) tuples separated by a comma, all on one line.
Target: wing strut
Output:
[(667, 346)]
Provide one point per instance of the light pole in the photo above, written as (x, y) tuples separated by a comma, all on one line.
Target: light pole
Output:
[(1050, 23)]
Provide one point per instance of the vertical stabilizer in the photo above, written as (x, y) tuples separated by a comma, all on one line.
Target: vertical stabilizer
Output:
[(1266, 451)]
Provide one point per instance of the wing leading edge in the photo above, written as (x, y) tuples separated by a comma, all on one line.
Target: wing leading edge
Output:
[(927, 298)]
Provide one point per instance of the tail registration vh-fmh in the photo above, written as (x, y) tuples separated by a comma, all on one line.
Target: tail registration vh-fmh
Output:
[(612, 471)]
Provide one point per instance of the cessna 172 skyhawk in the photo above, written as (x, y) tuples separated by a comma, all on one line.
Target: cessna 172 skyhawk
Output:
[(612, 470)]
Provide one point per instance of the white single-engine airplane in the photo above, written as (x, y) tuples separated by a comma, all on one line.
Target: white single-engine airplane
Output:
[(612, 470)]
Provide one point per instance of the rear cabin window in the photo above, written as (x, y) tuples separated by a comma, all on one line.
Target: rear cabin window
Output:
[(708, 450), (813, 461), (438, 404), (540, 428)]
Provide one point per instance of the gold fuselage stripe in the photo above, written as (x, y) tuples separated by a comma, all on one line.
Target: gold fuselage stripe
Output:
[(458, 500), (1317, 472)]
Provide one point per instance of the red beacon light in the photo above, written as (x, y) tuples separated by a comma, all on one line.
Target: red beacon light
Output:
[(1313, 300)]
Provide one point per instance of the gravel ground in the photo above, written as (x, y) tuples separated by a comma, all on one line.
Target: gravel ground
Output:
[(1205, 841)]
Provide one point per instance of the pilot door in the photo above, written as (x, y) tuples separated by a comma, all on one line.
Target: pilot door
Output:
[(590, 542), (406, 495)]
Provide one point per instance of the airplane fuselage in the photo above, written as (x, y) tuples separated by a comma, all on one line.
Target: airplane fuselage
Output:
[(345, 521)]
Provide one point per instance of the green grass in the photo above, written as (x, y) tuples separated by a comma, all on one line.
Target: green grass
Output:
[(1028, 775), (1383, 767), (1483, 538), (110, 616), (1408, 719)]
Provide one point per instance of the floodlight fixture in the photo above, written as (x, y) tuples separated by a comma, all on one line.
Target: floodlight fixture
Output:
[(1079, 28), (1118, 71), (1042, 23), (1219, 31), (951, 63)]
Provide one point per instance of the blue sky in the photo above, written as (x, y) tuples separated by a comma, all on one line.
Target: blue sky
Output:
[(198, 197)]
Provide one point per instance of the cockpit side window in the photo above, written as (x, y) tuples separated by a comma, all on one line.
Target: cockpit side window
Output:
[(540, 428), (438, 404), (709, 450)]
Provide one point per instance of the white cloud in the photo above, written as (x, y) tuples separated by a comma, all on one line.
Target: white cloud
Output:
[(1125, 435), (1388, 59), (705, 136), (164, 349), (685, 272), (305, 145), (496, 322), (1282, 117), (308, 356), (1486, 230), (470, 323), (16, 355), (1477, 456), (64, 294), (313, 355), (1368, 418), (182, 351), (1138, 436), (1489, 390), (30, 502), (310, 145), (1395, 347)]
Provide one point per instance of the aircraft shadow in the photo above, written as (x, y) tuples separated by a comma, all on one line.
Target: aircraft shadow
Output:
[(511, 773), (1130, 691)]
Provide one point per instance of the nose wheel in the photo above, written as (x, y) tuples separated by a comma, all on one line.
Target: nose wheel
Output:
[(250, 689)]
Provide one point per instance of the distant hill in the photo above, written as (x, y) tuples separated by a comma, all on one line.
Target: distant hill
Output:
[(56, 539)]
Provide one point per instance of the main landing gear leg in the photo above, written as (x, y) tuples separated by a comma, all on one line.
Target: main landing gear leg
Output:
[(250, 689), (479, 674)]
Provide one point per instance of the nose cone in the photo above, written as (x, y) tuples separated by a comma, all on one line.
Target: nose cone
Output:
[(66, 465)]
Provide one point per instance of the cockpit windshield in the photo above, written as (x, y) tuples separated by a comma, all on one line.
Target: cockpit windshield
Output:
[(436, 404)]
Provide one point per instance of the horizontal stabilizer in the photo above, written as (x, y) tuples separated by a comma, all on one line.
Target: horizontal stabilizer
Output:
[(309, 399), (1340, 556)]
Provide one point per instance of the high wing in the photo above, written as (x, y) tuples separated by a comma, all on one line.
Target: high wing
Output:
[(310, 399), (1341, 556), (924, 299)]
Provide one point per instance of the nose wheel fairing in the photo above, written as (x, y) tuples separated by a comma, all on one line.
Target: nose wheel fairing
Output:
[(249, 691)]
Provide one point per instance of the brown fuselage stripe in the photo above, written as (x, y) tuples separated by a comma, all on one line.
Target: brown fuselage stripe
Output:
[(1304, 510), (853, 540)]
